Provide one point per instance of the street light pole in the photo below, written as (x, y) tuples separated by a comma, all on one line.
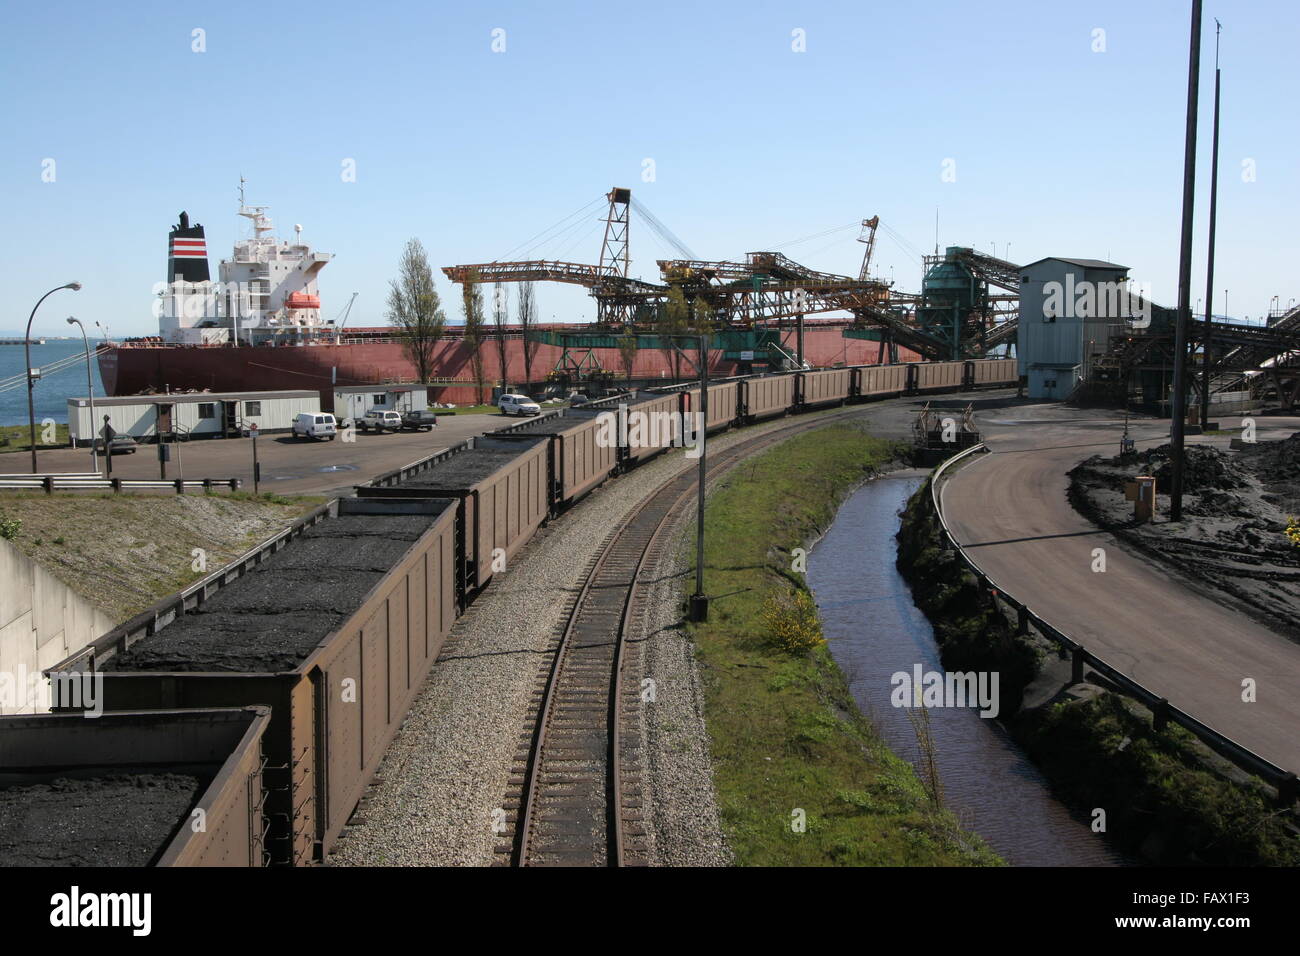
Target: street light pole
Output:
[(1178, 424), (27, 357), (90, 390), (699, 600)]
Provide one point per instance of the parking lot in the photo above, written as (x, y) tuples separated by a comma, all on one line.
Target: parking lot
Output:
[(289, 466)]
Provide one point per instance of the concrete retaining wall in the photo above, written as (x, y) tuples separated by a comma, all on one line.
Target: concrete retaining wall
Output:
[(42, 621)]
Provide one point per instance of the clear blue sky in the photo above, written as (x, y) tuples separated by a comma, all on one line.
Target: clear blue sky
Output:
[(1058, 150)]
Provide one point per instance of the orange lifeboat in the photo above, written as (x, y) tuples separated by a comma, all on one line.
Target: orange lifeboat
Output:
[(302, 300)]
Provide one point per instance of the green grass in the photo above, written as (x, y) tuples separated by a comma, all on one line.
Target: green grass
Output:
[(784, 730), (17, 438)]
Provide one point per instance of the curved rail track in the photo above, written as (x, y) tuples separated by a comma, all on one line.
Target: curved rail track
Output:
[(576, 781)]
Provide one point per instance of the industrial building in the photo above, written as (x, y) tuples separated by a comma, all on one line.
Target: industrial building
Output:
[(1068, 311), (189, 414)]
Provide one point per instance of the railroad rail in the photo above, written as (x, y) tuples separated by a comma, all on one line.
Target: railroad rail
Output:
[(576, 779)]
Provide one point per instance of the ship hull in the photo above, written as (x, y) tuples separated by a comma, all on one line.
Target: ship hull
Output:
[(131, 369)]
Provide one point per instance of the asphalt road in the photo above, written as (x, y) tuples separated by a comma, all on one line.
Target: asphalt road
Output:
[(1009, 510), (289, 466)]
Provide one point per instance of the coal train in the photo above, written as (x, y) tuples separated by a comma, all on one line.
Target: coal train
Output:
[(302, 658)]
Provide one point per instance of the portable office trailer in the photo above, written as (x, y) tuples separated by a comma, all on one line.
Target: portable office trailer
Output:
[(189, 414), (334, 706), (353, 401), (108, 759)]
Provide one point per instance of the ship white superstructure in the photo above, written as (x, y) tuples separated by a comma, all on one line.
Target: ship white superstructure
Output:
[(266, 292)]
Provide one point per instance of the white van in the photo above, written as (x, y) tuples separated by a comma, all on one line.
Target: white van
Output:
[(518, 405), (315, 425)]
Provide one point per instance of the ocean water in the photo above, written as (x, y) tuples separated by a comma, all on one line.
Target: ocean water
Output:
[(53, 391)]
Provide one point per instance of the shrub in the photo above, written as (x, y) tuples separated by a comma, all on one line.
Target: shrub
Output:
[(792, 624), (1293, 530), (9, 527)]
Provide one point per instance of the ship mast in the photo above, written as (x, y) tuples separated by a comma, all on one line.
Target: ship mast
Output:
[(261, 222)]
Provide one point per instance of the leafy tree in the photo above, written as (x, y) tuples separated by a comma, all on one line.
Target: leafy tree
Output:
[(472, 303), (415, 310), (527, 310), (500, 313)]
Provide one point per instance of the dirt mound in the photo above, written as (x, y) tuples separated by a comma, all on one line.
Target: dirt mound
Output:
[(1205, 469)]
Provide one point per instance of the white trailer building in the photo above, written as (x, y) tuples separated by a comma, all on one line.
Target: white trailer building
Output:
[(189, 414), (353, 401)]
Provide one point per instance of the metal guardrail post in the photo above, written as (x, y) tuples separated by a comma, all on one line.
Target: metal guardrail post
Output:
[(1288, 789), (116, 484), (180, 486), (1078, 658), (1160, 714), (48, 484)]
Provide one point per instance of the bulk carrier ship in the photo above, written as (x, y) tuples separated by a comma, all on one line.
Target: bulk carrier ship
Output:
[(259, 327)]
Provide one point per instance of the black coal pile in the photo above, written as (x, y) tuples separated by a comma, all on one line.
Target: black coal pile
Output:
[(1205, 469), (1276, 464)]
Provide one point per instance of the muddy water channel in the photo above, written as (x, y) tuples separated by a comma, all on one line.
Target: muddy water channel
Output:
[(874, 630)]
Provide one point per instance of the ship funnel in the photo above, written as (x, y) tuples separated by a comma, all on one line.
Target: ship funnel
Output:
[(187, 252)]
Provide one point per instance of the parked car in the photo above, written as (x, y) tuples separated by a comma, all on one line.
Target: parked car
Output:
[(419, 420), (518, 405), (578, 399), (117, 445), (315, 425), (377, 420)]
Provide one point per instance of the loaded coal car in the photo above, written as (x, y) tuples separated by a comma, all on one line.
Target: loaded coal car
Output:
[(157, 788), (765, 396), (824, 387), (500, 487), (723, 405), (333, 625), (583, 450), (880, 380)]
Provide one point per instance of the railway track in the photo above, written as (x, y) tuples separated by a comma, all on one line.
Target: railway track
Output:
[(576, 792)]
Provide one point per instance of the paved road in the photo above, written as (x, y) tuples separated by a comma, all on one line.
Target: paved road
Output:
[(1009, 509), (289, 466)]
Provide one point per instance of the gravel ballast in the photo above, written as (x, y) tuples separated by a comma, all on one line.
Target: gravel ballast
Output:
[(444, 779)]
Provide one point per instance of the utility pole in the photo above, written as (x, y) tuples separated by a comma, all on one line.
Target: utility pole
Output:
[(699, 610), (1209, 269), (1179, 410)]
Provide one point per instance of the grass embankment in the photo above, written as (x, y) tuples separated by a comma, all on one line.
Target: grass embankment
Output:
[(785, 732), (972, 635), (1167, 797), (18, 438), (125, 552)]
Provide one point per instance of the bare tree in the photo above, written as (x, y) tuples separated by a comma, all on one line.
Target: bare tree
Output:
[(527, 311), (472, 303), (415, 310), (500, 313)]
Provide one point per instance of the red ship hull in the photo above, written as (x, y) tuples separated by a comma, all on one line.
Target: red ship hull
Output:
[(133, 368)]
